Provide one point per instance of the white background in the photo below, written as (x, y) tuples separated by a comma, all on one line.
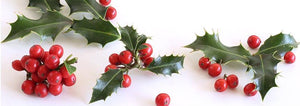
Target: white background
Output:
[(172, 24)]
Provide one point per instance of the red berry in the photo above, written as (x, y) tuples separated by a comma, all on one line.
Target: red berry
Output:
[(54, 78), (108, 67), (105, 2), (56, 50), (36, 51), (204, 63), (250, 90), (41, 90), (114, 59), (289, 57), (162, 99), (55, 89), (28, 87), (36, 78), (147, 61), (24, 59), (31, 65), (232, 81), (126, 81), (64, 72), (214, 69), (17, 65), (147, 51), (111, 13), (43, 71), (253, 41), (125, 57), (221, 85), (70, 81), (52, 61), (46, 54)]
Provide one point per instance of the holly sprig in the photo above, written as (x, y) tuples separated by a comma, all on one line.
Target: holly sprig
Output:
[(263, 63), (111, 80), (52, 22)]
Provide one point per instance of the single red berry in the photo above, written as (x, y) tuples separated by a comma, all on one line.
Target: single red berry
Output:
[(147, 61), (55, 89), (70, 81), (41, 90), (17, 65), (232, 81), (250, 89), (43, 71), (52, 61), (46, 54), (36, 51), (125, 57), (28, 87), (253, 41), (126, 81), (24, 59), (36, 78), (214, 69), (111, 13), (146, 51), (31, 65), (289, 57), (162, 99), (221, 85), (108, 67), (56, 50), (114, 59), (104, 2), (64, 72), (54, 77), (204, 63)]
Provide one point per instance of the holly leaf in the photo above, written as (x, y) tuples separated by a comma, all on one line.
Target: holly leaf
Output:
[(49, 25), (87, 6), (166, 65), (45, 5), (215, 50), (264, 67), (67, 63), (96, 30), (108, 83), (131, 38), (281, 43)]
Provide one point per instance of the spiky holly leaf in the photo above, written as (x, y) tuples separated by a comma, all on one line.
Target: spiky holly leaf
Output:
[(108, 83), (215, 50), (49, 25), (96, 30), (265, 71), (281, 43), (45, 5), (87, 6), (166, 65), (131, 38)]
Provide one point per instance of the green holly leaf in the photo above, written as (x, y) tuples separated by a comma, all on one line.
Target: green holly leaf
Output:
[(280, 43), (166, 65), (87, 6), (44, 5), (67, 63), (131, 38), (96, 30), (108, 83), (215, 50), (264, 67), (49, 25)]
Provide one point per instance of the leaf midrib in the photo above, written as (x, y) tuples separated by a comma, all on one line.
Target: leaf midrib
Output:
[(160, 66), (271, 48), (227, 52), (109, 81), (97, 31), (93, 9)]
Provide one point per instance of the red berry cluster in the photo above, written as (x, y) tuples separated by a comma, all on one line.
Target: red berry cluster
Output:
[(126, 59), (111, 12), (44, 73)]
